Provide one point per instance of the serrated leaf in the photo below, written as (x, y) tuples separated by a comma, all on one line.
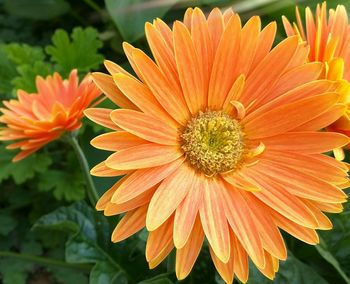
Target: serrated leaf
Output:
[(89, 232), (23, 170), (37, 9), (68, 185), (28, 73), (130, 15), (7, 72), (21, 54), (80, 51), (103, 272)]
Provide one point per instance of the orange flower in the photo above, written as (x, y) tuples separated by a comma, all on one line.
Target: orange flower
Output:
[(329, 42), (37, 119), (219, 140)]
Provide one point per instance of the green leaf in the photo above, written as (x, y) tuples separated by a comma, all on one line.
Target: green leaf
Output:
[(292, 271), (130, 15), (159, 279), (26, 63), (325, 253), (68, 276), (7, 72), (104, 272), (8, 223), (88, 230), (22, 54), (27, 75), (68, 185), (338, 240), (36, 9), (80, 51), (14, 271), (23, 170)]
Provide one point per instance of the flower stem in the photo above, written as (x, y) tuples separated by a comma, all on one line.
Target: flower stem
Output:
[(90, 186), (45, 260)]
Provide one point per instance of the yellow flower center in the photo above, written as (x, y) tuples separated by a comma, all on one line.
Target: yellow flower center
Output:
[(213, 142)]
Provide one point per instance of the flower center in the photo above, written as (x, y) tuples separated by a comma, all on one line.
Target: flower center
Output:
[(213, 142)]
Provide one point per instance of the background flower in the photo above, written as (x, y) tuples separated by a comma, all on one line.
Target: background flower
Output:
[(38, 118), (328, 38)]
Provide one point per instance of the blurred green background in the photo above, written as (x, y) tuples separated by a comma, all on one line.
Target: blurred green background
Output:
[(48, 232)]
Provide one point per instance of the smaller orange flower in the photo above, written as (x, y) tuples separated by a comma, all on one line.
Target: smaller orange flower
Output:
[(36, 119), (328, 39)]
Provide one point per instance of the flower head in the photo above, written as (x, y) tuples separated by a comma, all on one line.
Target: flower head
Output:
[(328, 40), (219, 139), (36, 119)]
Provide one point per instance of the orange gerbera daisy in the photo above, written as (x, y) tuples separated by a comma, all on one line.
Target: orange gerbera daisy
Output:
[(329, 42), (219, 140), (37, 119)]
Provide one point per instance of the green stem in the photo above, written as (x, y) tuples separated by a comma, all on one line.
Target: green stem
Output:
[(93, 5), (91, 190), (45, 260)]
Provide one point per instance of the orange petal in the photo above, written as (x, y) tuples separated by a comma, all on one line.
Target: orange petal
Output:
[(240, 263), (116, 141), (106, 197), (220, 85), (307, 235), (202, 44), (249, 41), (132, 222), (143, 156), (106, 84), (242, 223), (301, 184), (114, 68), (165, 200), (163, 54), (226, 270), (145, 126), (101, 116), (324, 119), (323, 222), (288, 116), (142, 180), (306, 142), (328, 207), (172, 101), (214, 221), (189, 69), (142, 97), (268, 270), (159, 240), (266, 39), (216, 27), (101, 170), (186, 213), (276, 197), (270, 235), (296, 77), (309, 164), (187, 255), (140, 200), (260, 81)]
